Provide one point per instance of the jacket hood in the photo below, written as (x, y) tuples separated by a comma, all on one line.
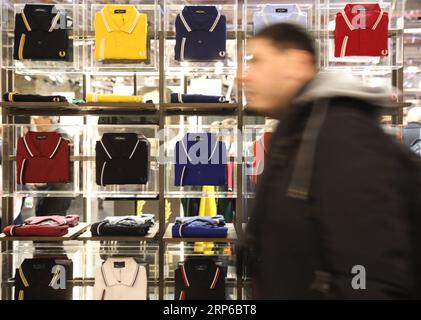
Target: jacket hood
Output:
[(334, 85)]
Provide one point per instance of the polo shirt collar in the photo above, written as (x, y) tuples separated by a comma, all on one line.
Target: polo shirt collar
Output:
[(200, 271), (200, 18), (45, 147), (190, 139), (373, 17), (281, 9), (40, 17), (125, 21), (125, 276), (120, 145)]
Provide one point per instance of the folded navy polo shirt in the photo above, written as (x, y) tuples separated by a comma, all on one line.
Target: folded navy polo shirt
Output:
[(201, 33), (196, 98), (200, 160)]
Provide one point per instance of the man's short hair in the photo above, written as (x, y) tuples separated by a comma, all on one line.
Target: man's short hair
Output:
[(289, 36)]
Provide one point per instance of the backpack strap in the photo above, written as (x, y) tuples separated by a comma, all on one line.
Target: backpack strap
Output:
[(301, 176), (300, 183)]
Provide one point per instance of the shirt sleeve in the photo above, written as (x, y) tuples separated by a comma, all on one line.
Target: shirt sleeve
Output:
[(99, 285), (141, 284)]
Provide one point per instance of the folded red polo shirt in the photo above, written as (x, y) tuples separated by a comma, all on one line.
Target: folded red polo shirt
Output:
[(43, 226), (362, 30), (42, 157)]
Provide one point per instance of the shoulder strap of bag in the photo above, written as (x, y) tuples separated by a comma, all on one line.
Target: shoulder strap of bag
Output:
[(300, 184), (301, 176)]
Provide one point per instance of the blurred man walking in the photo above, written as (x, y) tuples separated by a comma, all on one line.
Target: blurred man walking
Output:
[(331, 212)]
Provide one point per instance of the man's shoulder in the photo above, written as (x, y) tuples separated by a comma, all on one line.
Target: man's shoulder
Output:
[(354, 115), (355, 124)]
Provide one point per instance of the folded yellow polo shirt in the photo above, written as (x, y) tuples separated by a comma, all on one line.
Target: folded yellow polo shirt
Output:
[(120, 33), (92, 97)]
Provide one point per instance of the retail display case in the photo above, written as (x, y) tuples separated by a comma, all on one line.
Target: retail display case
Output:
[(139, 25), (168, 65), (67, 19), (384, 17), (147, 190), (224, 142)]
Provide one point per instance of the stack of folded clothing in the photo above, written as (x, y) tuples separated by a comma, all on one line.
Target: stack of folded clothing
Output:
[(196, 98), (92, 97), (53, 226), (17, 97), (123, 226), (200, 227)]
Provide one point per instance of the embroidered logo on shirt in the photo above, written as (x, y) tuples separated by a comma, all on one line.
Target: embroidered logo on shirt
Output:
[(119, 264)]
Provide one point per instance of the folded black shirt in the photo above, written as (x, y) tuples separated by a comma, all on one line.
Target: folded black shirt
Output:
[(41, 34), (17, 97), (122, 226)]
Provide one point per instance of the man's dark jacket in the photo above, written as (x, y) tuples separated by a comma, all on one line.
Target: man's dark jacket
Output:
[(357, 207)]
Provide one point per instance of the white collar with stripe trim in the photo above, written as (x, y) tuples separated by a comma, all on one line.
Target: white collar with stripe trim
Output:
[(125, 276), (130, 13), (52, 144), (212, 27), (213, 283)]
